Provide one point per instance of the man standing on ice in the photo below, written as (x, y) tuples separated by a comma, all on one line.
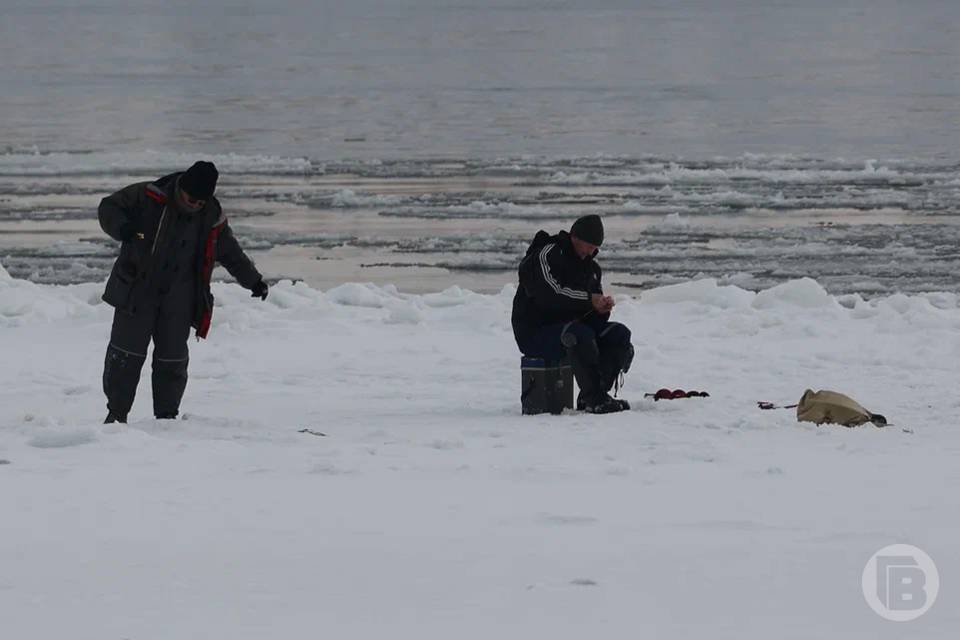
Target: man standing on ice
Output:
[(560, 310), (172, 232)]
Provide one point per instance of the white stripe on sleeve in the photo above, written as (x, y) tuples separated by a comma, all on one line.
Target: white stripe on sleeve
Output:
[(552, 282)]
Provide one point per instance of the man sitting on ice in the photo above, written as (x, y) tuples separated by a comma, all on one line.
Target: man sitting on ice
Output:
[(560, 310)]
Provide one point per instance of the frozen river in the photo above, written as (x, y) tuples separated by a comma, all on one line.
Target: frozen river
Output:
[(423, 143)]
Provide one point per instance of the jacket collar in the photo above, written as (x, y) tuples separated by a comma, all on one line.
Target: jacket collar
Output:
[(168, 184)]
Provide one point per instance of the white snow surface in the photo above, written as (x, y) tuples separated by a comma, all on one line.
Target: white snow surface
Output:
[(432, 509)]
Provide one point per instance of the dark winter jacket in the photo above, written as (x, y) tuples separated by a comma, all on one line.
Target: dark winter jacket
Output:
[(555, 285), (140, 216)]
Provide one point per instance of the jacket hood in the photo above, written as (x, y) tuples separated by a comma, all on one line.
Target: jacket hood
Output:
[(563, 238), (168, 181)]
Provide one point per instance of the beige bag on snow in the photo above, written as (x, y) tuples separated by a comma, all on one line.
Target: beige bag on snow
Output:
[(830, 407)]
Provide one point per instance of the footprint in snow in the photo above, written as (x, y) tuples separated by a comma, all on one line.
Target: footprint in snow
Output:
[(77, 390), (329, 469), (446, 445)]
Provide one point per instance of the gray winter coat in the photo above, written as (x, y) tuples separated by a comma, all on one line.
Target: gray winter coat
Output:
[(138, 217)]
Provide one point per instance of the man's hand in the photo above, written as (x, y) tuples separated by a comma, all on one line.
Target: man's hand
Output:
[(601, 303), (129, 229), (260, 290)]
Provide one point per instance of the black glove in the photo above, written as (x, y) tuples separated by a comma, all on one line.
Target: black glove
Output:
[(259, 290), (130, 229)]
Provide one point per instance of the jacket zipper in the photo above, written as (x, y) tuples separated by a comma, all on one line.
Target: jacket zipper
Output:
[(156, 239)]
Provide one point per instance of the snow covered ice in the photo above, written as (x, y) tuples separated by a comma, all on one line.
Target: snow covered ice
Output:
[(432, 508)]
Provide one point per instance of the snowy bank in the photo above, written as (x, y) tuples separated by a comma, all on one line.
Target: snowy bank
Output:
[(430, 508)]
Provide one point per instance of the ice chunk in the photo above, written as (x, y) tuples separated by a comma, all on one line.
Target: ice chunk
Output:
[(805, 292), (705, 291)]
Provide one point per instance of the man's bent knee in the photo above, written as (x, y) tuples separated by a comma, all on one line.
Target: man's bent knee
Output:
[(577, 333), (615, 333)]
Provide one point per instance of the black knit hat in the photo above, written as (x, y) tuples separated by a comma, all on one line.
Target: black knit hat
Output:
[(589, 229), (200, 180)]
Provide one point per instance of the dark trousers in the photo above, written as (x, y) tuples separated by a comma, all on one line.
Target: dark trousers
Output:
[(598, 350), (166, 319)]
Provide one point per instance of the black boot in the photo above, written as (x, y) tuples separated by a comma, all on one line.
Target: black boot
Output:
[(169, 383), (112, 418), (616, 354), (121, 374), (593, 397), (584, 358), (601, 403)]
